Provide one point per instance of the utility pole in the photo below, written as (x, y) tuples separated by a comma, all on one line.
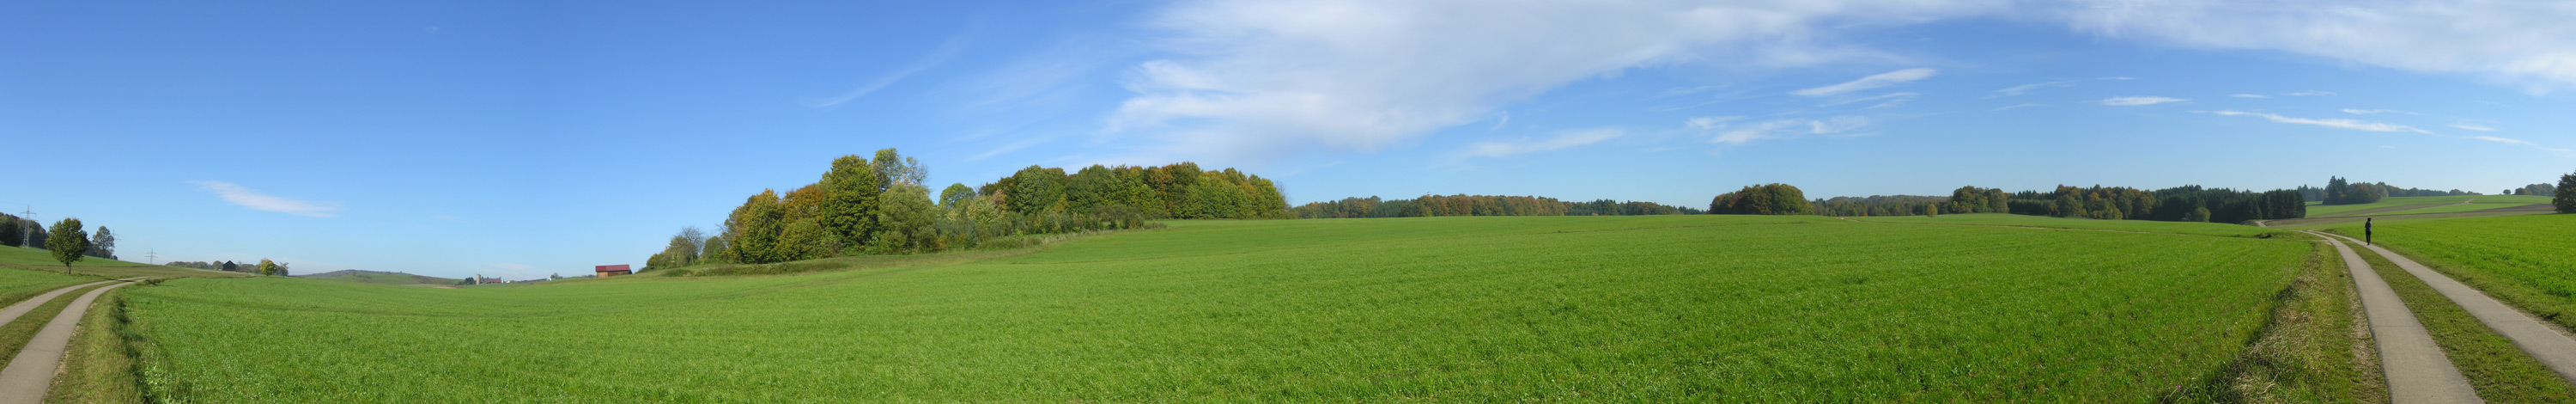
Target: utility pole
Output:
[(149, 257), (30, 214)]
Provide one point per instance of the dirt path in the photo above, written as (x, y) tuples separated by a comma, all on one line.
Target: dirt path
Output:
[(32, 371), (2417, 370), (2535, 338)]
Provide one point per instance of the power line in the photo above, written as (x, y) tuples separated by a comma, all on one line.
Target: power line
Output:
[(149, 257)]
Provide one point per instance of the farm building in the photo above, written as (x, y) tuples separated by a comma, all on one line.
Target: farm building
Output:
[(614, 270)]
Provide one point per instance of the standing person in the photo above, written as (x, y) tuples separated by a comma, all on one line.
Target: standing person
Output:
[(2365, 231)]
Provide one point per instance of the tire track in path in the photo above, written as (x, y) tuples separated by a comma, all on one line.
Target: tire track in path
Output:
[(2544, 344), (2417, 370), (32, 371)]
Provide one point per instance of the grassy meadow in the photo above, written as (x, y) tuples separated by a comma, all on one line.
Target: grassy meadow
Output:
[(1653, 308), (2389, 205), (2142, 226)]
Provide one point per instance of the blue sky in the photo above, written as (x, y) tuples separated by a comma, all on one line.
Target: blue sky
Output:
[(526, 138)]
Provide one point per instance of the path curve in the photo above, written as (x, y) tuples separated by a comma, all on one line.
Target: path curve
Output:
[(2417, 370), (14, 311), (2543, 343), (31, 373)]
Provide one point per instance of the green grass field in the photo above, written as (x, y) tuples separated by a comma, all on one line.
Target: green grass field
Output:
[(382, 278), (2005, 219), (1654, 309), (2526, 261), (2498, 201), (43, 261)]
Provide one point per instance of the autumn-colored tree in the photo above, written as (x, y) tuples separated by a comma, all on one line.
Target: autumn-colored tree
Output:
[(755, 227), (267, 268)]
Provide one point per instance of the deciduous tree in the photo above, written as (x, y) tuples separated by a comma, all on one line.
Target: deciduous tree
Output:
[(756, 227), (67, 242), (851, 189), (2565, 199)]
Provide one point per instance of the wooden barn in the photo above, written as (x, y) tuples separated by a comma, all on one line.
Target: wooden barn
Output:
[(614, 270)]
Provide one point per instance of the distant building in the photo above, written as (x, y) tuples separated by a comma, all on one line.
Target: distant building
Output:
[(614, 270)]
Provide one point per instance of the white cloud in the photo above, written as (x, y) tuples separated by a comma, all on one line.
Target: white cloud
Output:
[(1561, 141), (1268, 78), (1837, 124), (2330, 123), (1709, 122), (2250, 96), (2027, 88), (257, 201), (1893, 99), (1689, 90), (2137, 101), (1780, 129), (2375, 111), (2480, 128), (1873, 81), (2502, 140), (2525, 41)]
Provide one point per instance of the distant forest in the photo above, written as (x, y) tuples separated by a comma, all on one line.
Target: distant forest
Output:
[(1480, 205), (2190, 203)]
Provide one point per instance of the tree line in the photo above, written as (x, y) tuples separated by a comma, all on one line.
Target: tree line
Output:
[(264, 267), (2185, 203), (2534, 189), (19, 232), (878, 206), (1479, 205), (2341, 192)]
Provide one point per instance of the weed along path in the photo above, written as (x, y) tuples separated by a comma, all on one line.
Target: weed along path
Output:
[(32, 371), (2417, 371), (2547, 345)]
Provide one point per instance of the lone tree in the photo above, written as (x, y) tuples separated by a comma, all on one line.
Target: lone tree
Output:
[(2566, 198), (68, 242), (267, 267)]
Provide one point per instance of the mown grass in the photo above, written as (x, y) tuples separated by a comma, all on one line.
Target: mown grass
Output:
[(2320, 210), (40, 260), (2500, 371), (17, 285), (2468, 207), (1652, 309), (2147, 226), (386, 279), (2526, 261)]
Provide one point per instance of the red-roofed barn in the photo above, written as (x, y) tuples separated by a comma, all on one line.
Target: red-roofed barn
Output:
[(614, 270)]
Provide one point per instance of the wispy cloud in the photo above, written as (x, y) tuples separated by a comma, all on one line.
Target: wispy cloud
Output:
[(2330, 123), (1777, 129), (1873, 81), (2510, 141), (1709, 122), (257, 201), (1892, 99), (1562, 140), (2137, 101), (1689, 90), (2250, 96), (2027, 88), (947, 49), (2479, 128), (2375, 111)]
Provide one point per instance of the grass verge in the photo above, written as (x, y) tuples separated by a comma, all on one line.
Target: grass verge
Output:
[(100, 365), (2315, 348), (2500, 371)]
